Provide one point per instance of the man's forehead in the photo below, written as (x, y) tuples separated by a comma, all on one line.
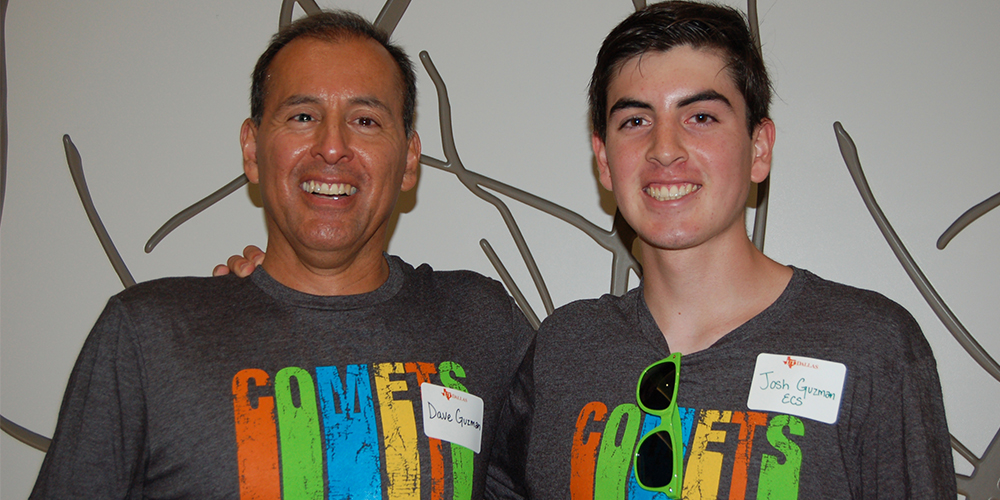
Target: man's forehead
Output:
[(353, 58), (706, 56), (684, 62), (307, 50)]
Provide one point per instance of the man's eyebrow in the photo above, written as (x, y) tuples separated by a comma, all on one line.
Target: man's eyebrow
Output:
[(297, 99), (373, 102), (705, 95), (626, 103)]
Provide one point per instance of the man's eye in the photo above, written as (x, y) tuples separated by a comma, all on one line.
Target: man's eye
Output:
[(703, 118), (366, 121), (635, 121), (302, 118)]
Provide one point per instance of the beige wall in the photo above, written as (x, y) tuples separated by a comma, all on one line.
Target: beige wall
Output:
[(153, 94)]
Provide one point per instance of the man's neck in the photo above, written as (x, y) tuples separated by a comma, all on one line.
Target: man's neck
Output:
[(327, 273), (700, 294)]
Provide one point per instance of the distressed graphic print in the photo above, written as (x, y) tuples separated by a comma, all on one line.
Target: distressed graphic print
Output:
[(345, 432), (727, 454)]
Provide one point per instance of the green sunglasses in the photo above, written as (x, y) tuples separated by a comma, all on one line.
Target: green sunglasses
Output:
[(659, 456)]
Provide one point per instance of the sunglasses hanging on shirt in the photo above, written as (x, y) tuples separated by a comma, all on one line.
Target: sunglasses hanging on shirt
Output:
[(659, 456)]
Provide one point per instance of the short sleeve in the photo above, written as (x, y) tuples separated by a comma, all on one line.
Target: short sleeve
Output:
[(906, 445), (97, 450)]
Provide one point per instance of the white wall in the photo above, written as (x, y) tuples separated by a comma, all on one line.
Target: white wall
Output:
[(153, 95)]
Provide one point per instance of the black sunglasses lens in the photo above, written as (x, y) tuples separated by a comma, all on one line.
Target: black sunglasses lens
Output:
[(654, 462), (656, 389)]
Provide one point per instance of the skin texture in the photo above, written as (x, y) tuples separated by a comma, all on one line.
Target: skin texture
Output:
[(656, 140), (677, 120), (241, 265), (332, 114)]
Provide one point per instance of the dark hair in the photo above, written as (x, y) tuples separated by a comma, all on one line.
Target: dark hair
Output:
[(332, 26), (663, 26)]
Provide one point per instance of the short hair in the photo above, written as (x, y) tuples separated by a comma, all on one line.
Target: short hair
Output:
[(332, 26), (662, 26)]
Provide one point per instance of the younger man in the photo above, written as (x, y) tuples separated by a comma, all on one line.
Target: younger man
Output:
[(790, 386)]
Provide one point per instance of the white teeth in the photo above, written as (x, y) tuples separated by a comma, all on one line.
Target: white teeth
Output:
[(328, 189), (671, 192)]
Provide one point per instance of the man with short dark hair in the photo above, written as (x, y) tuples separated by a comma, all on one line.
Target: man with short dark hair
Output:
[(335, 370), (724, 374)]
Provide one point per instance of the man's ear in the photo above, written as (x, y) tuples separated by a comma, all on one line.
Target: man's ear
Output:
[(412, 169), (763, 146), (248, 142), (601, 154)]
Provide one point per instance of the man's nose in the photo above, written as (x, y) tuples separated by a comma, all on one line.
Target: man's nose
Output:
[(333, 142), (667, 146)]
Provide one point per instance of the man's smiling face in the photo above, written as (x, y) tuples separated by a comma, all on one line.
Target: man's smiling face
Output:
[(677, 154), (330, 153)]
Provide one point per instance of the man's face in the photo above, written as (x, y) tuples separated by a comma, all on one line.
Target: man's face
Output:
[(677, 154), (330, 153)]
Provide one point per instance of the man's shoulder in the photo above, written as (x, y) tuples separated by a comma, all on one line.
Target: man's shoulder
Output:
[(154, 311), (865, 319), (455, 283), (464, 296), (589, 311), (842, 299), (182, 291)]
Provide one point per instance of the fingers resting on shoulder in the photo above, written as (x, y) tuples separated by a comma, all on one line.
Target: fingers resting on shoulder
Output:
[(241, 265)]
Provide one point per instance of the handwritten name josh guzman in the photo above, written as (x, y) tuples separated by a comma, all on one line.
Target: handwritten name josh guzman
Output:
[(782, 385)]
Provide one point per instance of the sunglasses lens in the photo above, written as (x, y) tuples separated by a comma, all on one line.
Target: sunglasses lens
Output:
[(654, 465), (656, 389)]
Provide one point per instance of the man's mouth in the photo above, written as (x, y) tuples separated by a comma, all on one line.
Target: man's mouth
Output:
[(325, 189), (671, 192)]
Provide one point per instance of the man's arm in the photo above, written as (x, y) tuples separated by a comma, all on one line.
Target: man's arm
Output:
[(98, 449), (906, 448), (243, 265), (506, 476)]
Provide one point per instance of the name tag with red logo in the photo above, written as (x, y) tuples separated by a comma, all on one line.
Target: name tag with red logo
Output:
[(453, 416), (797, 385)]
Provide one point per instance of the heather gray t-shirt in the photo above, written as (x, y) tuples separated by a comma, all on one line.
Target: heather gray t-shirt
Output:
[(243, 388), (890, 439)]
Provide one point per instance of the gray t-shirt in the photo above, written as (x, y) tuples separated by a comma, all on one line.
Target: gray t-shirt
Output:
[(890, 439), (243, 388)]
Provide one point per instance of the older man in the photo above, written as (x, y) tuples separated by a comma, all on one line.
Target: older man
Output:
[(335, 370)]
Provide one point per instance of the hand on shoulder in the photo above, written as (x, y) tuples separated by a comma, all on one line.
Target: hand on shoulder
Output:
[(241, 265)]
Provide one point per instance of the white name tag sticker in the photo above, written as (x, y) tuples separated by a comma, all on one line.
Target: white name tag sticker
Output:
[(453, 416), (796, 385)]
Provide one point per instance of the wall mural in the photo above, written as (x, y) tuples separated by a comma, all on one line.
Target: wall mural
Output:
[(982, 484)]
